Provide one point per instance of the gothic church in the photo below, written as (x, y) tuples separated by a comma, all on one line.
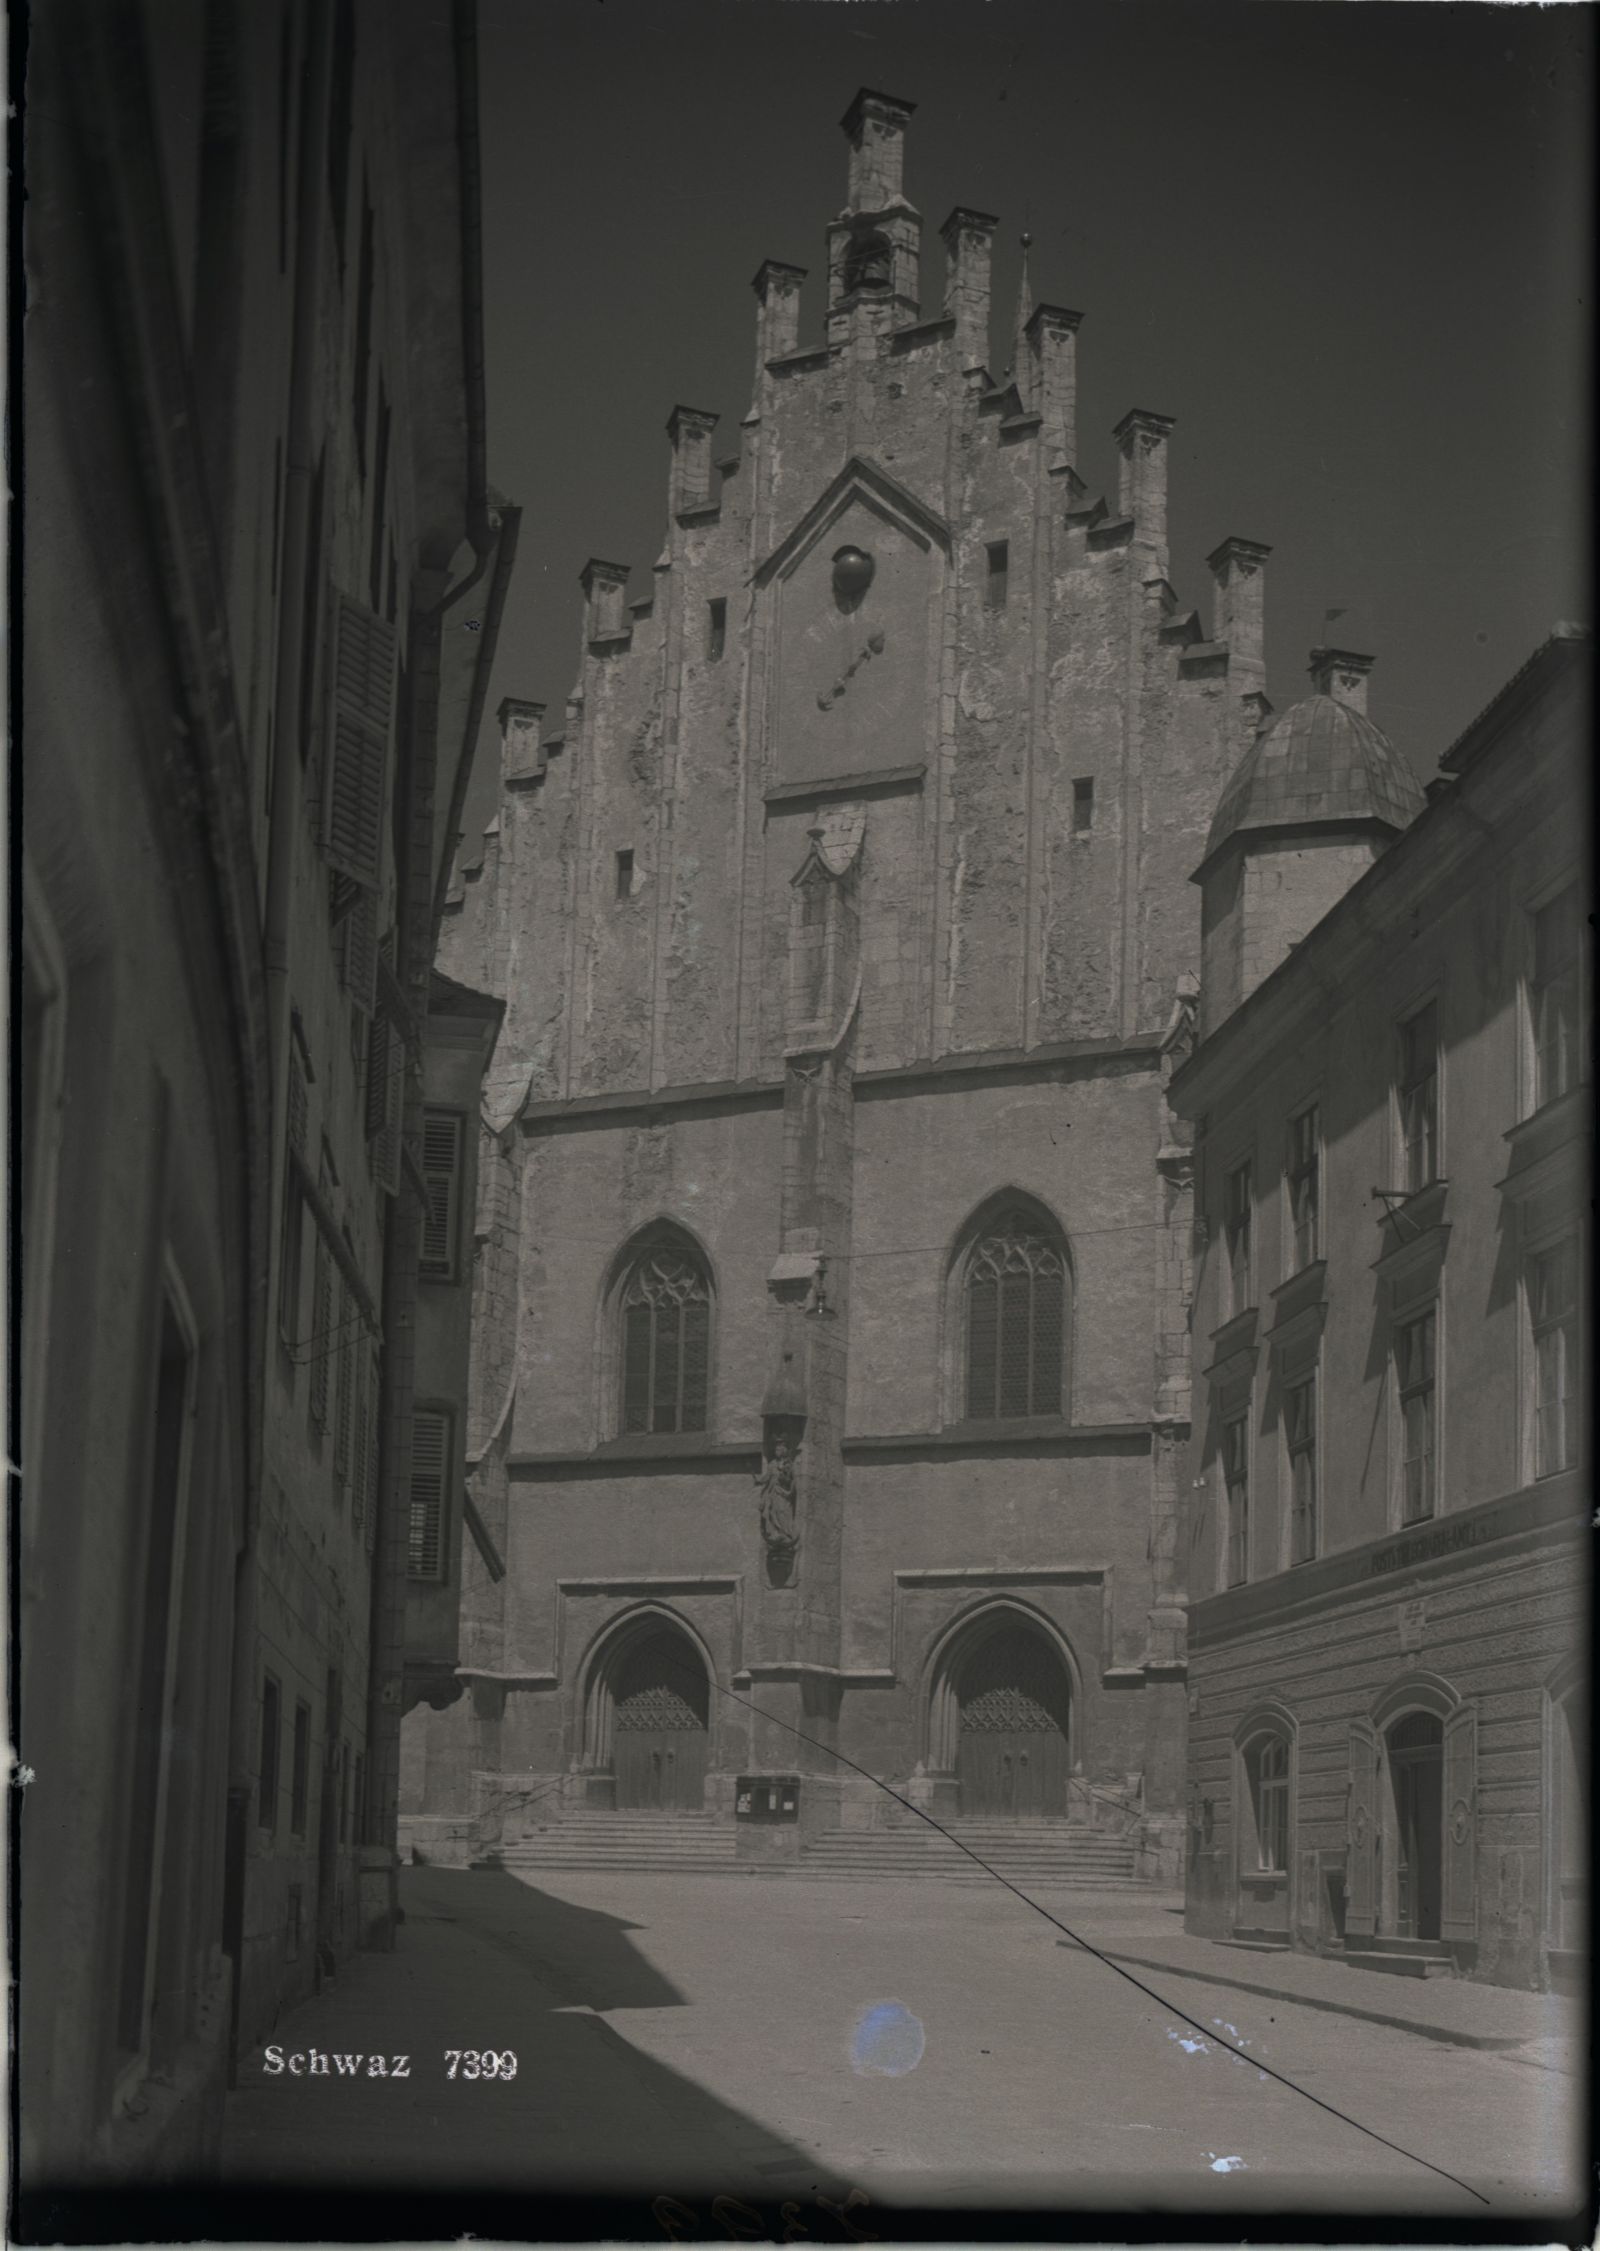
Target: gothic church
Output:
[(831, 1376)]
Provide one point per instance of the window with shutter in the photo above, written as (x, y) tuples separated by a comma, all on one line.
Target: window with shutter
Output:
[(343, 1345), (356, 763), (430, 1443), (441, 1171), (385, 1069), (357, 943), (321, 1330)]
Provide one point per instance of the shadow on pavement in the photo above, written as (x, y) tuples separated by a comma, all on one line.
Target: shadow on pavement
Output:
[(582, 1956)]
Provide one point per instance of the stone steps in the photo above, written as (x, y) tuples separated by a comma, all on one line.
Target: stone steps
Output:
[(1033, 1852)]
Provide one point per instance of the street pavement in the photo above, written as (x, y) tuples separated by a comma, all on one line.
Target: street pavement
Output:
[(829, 2053)]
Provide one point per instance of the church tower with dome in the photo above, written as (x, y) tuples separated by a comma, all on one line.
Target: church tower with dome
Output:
[(831, 1377)]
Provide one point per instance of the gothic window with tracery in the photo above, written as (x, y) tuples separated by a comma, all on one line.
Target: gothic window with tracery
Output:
[(1016, 1319), (666, 1341)]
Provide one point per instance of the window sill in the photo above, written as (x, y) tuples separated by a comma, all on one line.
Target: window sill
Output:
[(1233, 1348), (1299, 1307)]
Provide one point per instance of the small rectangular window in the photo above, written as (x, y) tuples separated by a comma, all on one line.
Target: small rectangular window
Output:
[(1082, 807), (1419, 1099), (441, 1171), (1300, 1428), (271, 1730), (624, 875), (1415, 1349), (1553, 1309), (1305, 1189), (997, 555), (430, 1456), (1240, 1202), (716, 629), (1236, 1485), (300, 1772), (1555, 998)]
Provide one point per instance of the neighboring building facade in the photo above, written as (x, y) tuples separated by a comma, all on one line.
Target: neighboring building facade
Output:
[(256, 501), (831, 1386), (1387, 1564)]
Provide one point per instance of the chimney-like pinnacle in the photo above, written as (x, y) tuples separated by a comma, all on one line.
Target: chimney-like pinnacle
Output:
[(875, 126), (1342, 674)]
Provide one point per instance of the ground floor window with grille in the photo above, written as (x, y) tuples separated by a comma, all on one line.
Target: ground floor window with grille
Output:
[(1300, 1425), (1236, 1488), (1266, 1766), (1553, 1307), (1415, 1369), (430, 1462)]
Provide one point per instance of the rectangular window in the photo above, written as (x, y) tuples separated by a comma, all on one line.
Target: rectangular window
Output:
[(1300, 1429), (1236, 1484), (997, 579), (1415, 1348), (430, 1455), (300, 1772), (716, 630), (1241, 1281), (1268, 1766), (1553, 1307), (1419, 1099), (271, 1730), (1305, 1189), (1082, 807), (624, 875), (1555, 998), (149, 1692), (441, 1170)]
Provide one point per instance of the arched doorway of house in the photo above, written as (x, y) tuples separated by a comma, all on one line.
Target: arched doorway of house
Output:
[(1012, 1697), (660, 1701), (1415, 1747)]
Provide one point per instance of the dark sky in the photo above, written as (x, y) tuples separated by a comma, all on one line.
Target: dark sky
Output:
[(1345, 245)]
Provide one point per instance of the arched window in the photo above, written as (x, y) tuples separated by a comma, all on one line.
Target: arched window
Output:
[(868, 263), (1266, 1768), (666, 1339), (1016, 1318)]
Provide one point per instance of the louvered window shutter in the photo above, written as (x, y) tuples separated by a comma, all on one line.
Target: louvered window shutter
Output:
[(1459, 1907), (441, 1169), (321, 1325), (356, 756), (1360, 1905), (360, 942), (385, 1073), (430, 1435)]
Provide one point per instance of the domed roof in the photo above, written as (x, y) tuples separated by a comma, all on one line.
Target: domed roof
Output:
[(1321, 761)]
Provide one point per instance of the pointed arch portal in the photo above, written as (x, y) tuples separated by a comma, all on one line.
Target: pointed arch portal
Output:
[(1001, 1719), (649, 1718)]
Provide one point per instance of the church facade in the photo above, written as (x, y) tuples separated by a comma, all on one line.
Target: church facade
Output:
[(831, 1390)]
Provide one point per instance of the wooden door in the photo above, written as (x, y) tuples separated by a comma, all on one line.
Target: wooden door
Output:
[(658, 1754), (1012, 1752), (1417, 1767)]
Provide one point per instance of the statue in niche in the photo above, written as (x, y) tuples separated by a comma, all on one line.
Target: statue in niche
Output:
[(779, 1504)]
